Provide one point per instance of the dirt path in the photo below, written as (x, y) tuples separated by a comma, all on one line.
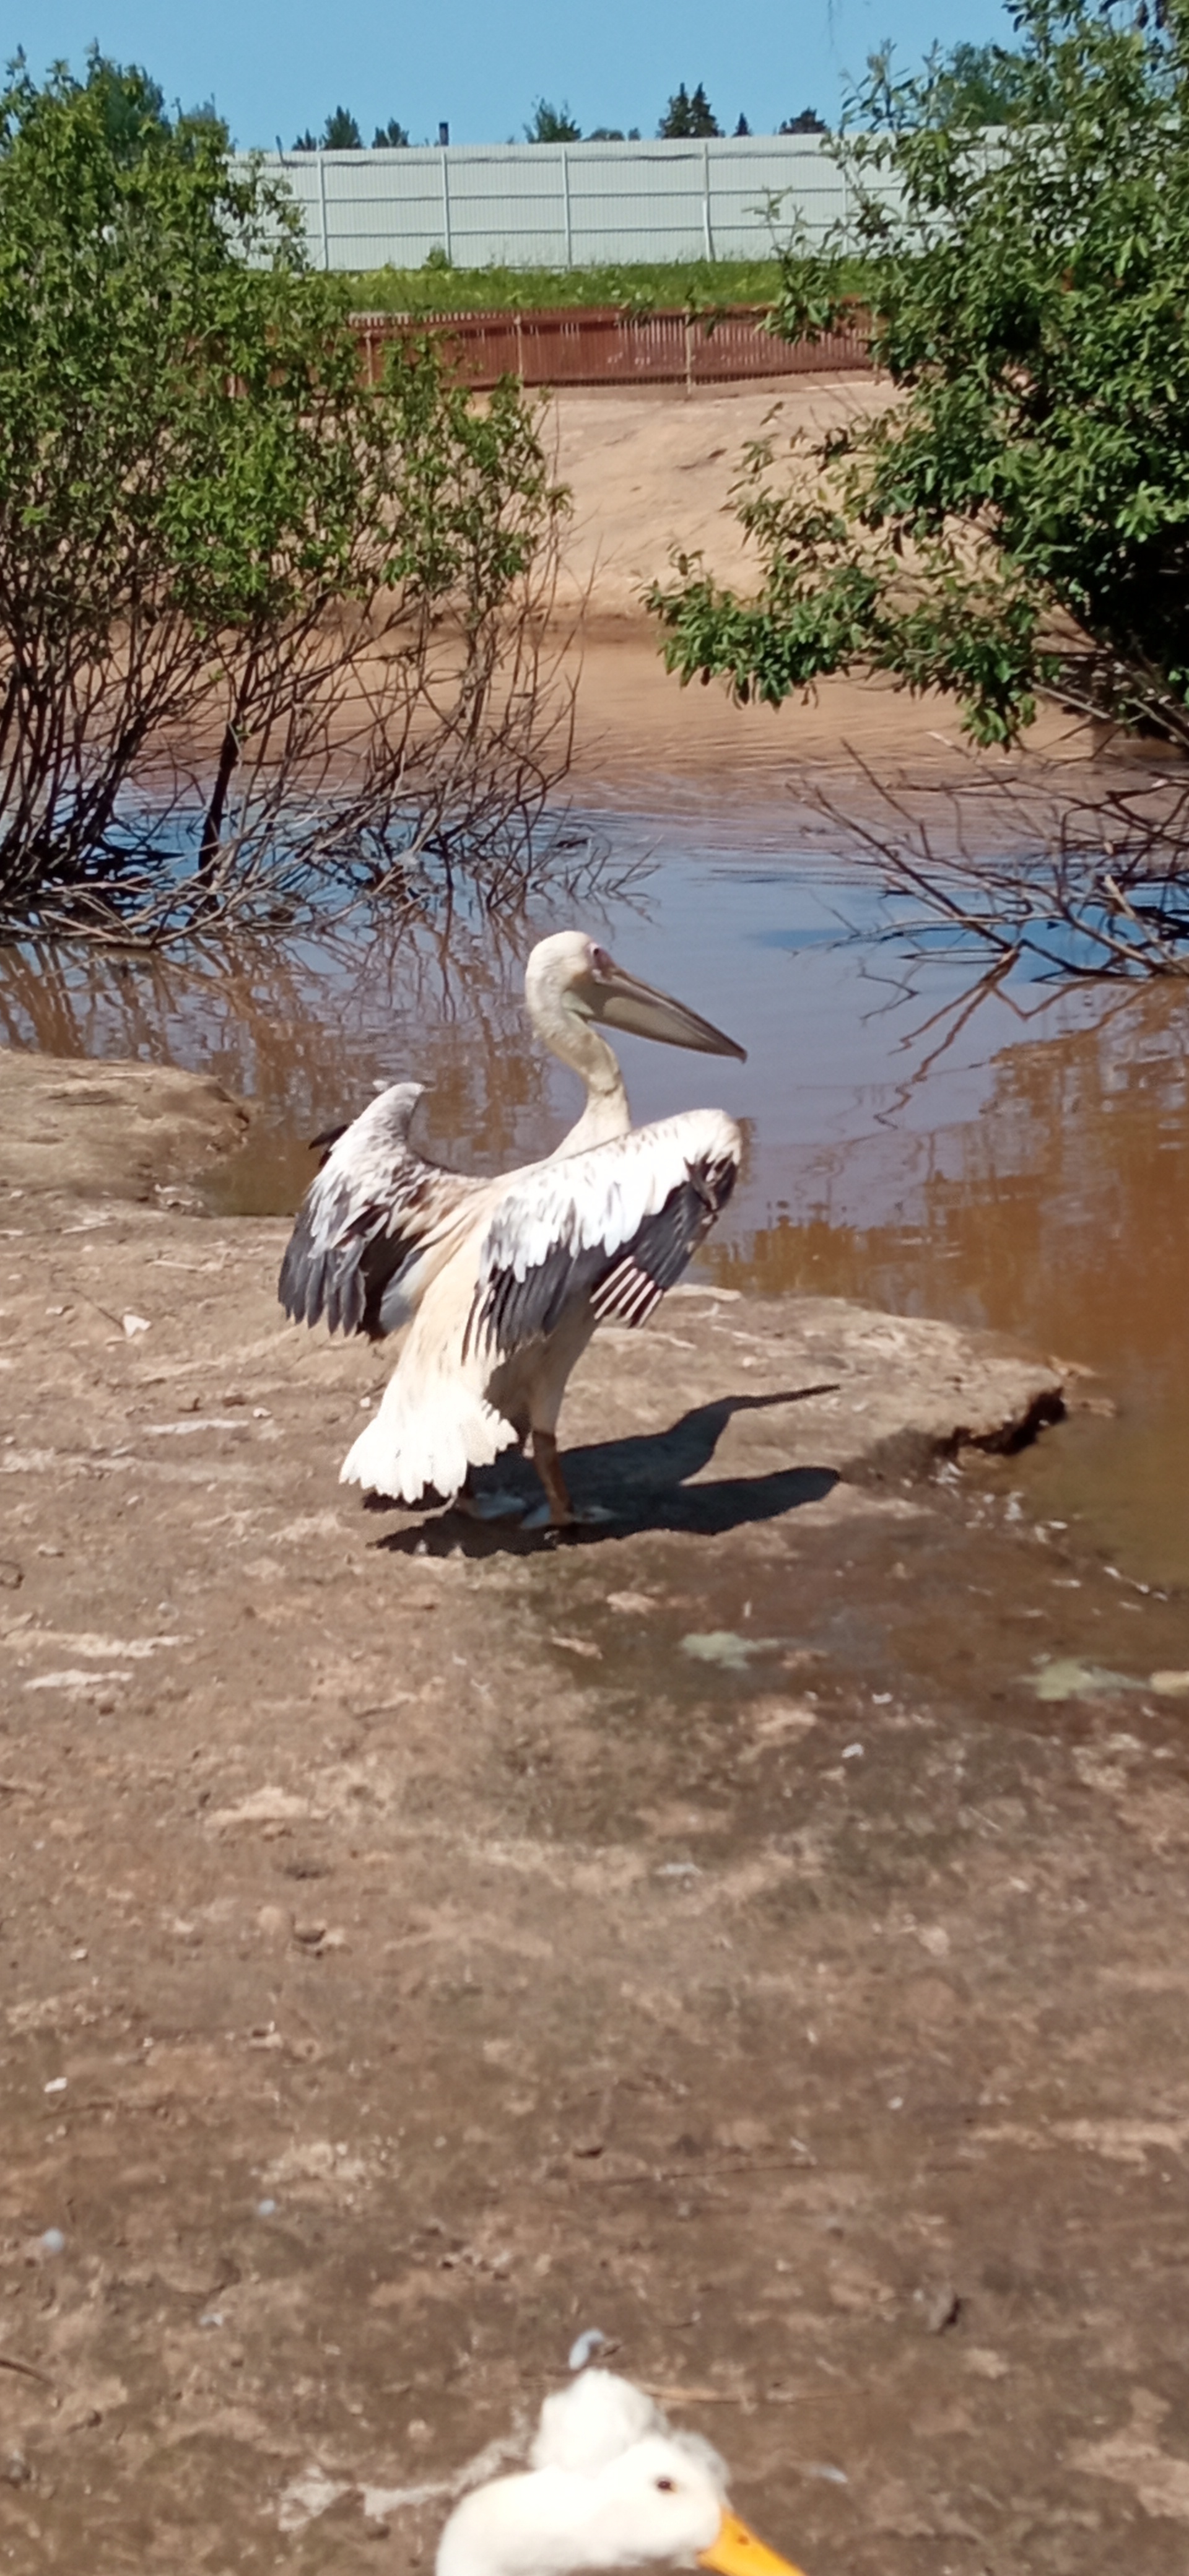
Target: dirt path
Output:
[(421, 1944)]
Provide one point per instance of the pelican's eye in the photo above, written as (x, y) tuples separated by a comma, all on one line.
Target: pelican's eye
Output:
[(599, 961), (666, 2486)]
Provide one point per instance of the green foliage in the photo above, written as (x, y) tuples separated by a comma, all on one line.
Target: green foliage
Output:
[(552, 124), (390, 138), (691, 285), (201, 506), (808, 122), (688, 116), (980, 84), (341, 132), (1019, 517)]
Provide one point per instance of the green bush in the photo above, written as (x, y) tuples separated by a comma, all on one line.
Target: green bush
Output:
[(257, 619), (1017, 518)]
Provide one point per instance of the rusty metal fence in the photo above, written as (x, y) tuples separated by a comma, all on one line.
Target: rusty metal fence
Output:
[(606, 345)]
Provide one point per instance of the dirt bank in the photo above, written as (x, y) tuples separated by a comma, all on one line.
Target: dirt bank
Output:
[(130, 1128), (751, 1929), (650, 472)]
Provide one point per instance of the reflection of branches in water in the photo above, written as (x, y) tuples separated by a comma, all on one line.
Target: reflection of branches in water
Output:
[(1057, 1206), (304, 1028), (397, 732), (1076, 886)]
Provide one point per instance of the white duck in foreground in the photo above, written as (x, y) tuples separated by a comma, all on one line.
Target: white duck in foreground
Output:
[(504, 1281), (610, 2485)]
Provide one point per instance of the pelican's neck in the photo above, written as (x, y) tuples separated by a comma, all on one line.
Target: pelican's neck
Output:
[(575, 1042)]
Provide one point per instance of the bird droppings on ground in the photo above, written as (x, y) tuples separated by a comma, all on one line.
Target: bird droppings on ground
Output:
[(392, 1984), (1067, 1677)]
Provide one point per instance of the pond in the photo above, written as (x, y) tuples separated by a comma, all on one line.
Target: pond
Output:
[(1022, 1166)]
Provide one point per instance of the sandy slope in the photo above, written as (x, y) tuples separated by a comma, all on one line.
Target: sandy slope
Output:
[(650, 471)]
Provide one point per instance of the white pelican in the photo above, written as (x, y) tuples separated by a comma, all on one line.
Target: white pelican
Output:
[(506, 1280), (611, 2485)]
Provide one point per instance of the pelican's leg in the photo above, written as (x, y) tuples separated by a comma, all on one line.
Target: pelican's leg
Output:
[(548, 1467)]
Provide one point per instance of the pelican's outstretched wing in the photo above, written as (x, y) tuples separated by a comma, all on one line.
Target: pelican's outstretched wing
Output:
[(616, 1226), (374, 1225)]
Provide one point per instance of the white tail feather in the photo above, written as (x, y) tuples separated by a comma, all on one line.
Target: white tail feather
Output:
[(425, 1439)]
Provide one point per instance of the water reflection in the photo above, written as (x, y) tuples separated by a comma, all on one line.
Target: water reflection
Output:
[(1060, 1215), (1023, 1165)]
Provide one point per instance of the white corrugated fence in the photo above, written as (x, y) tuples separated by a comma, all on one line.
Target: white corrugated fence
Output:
[(563, 205)]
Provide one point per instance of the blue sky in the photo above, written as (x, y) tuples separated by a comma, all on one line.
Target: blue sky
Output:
[(480, 63)]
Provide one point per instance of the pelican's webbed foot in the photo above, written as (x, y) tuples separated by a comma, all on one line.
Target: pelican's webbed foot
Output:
[(558, 1511)]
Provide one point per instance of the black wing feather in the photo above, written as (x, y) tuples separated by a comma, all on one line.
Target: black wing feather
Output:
[(345, 1260), (624, 1286)]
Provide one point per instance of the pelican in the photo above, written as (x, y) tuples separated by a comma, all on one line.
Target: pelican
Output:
[(610, 2485), (504, 1281)]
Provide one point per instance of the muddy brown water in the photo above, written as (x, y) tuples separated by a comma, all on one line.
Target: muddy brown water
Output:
[(1025, 1167)]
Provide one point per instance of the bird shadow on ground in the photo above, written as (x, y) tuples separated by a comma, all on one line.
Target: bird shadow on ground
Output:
[(640, 1483)]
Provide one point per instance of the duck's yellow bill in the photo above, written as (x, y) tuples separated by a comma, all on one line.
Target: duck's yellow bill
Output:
[(737, 2552)]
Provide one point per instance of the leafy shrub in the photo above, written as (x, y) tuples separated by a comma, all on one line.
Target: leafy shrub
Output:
[(1017, 519), (258, 620)]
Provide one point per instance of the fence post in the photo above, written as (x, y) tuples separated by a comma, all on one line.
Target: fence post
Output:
[(448, 245), (707, 231), (565, 198), (322, 209), (520, 347)]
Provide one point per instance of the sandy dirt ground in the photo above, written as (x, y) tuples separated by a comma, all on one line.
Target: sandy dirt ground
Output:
[(753, 1927), (650, 473)]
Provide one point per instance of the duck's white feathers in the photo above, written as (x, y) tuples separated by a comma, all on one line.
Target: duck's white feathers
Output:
[(592, 2421), (535, 1262), (599, 2417), (609, 2485)]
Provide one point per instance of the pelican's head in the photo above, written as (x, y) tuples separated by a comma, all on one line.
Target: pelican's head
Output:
[(660, 2501), (573, 975)]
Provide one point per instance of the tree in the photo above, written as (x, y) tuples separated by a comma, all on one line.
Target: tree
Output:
[(742, 128), (390, 138), (808, 122), (261, 623), (341, 132), (688, 117), (1018, 519), (980, 84), (552, 124)]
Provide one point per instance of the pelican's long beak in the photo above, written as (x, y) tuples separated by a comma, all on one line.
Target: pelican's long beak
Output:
[(620, 1001), (737, 2552)]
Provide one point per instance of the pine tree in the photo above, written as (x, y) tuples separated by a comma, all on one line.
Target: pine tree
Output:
[(552, 124), (341, 132), (687, 117)]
